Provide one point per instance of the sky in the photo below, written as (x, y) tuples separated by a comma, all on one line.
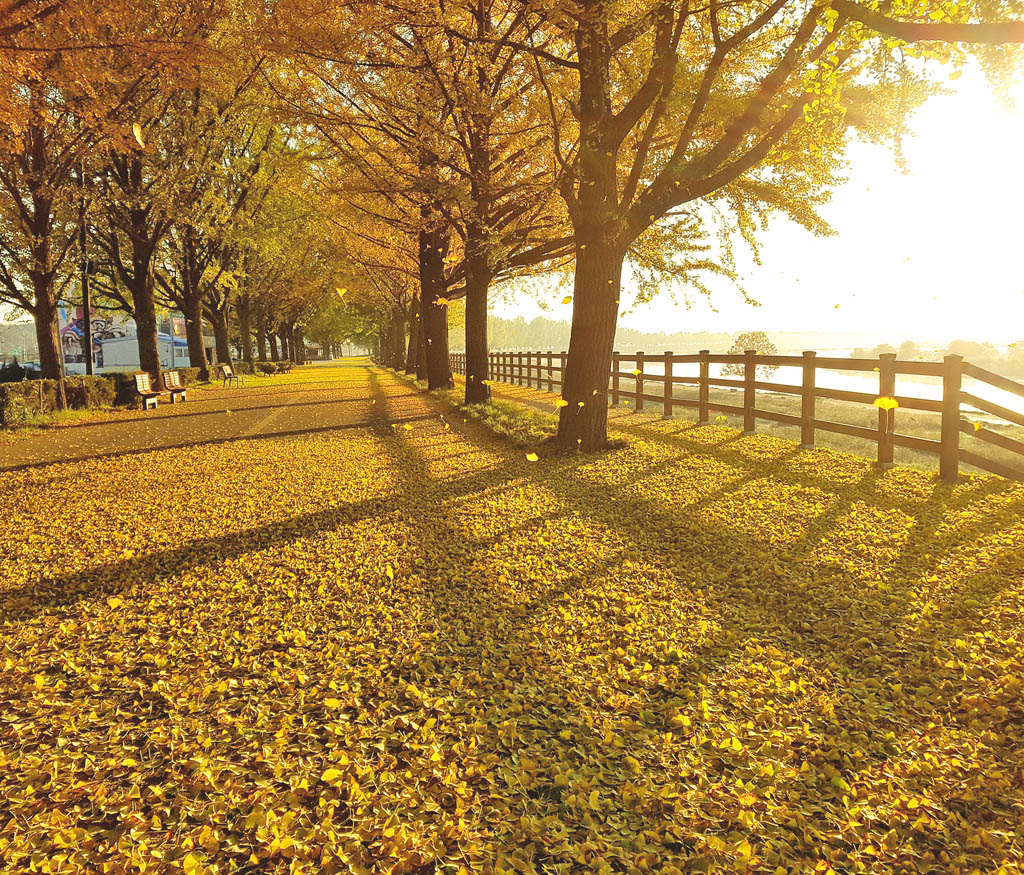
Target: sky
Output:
[(935, 253)]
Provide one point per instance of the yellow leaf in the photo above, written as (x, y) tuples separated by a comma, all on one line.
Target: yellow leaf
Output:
[(595, 800), (332, 703), (636, 372), (561, 402), (115, 602), (886, 403), (342, 292), (567, 299), (531, 457), (390, 572), (191, 863), (956, 74), (331, 776), (137, 130), (407, 427), (441, 302)]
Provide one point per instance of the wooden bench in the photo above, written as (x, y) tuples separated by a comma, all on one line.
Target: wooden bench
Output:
[(144, 389), (230, 376), (172, 383)]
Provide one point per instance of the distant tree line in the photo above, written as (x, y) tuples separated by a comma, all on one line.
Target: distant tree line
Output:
[(985, 355)]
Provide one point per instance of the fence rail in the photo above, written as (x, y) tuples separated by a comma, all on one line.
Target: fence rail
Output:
[(543, 370)]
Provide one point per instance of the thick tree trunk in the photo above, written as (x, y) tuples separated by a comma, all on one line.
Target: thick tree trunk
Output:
[(300, 346), (193, 312), (245, 328), (433, 245), (414, 336), (219, 320), (51, 361), (397, 358), (594, 315), (144, 305), (597, 224), (261, 338), (275, 356), (477, 372)]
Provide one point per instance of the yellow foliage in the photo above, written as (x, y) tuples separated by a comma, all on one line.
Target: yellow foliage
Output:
[(696, 652)]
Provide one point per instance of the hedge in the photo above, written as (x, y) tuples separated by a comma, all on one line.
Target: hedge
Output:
[(20, 402)]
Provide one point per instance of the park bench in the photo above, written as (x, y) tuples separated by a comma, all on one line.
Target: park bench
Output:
[(144, 389), (172, 383), (229, 375)]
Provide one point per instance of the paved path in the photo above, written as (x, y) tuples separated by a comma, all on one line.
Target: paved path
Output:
[(317, 398)]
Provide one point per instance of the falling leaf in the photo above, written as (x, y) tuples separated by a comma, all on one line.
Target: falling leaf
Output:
[(561, 402), (567, 299), (531, 457), (886, 403), (342, 292), (441, 302), (137, 131), (636, 372)]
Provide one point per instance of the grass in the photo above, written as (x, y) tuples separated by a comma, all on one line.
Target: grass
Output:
[(910, 422), (396, 646)]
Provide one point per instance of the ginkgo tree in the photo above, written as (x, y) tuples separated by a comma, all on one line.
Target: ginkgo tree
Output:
[(660, 107)]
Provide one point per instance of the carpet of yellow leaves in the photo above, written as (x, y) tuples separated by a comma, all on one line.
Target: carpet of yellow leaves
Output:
[(374, 648)]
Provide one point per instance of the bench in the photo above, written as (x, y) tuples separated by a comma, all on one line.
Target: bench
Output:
[(172, 383), (144, 389), (230, 376)]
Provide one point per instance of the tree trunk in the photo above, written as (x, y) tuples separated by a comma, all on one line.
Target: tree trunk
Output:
[(275, 356), (144, 305), (597, 225), (433, 245), (477, 282), (219, 320), (421, 351), (397, 357), (261, 338), (414, 336), (245, 328), (51, 361), (193, 312), (300, 346), (594, 315)]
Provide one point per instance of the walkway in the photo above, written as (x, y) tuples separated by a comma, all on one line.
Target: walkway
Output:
[(341, 629)]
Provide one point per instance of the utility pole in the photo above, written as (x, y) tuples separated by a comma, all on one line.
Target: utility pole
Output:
[(86, 303)]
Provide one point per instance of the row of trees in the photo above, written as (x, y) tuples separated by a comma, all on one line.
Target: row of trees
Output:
[(491, 139), (361, 165), (144, 166)]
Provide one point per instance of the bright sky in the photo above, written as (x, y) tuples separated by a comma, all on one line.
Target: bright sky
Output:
[(933, 254)]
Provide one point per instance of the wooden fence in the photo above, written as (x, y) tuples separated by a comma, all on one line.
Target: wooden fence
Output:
[(543, 370)]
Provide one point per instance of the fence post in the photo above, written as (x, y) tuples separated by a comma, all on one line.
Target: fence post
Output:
[(639, 381), (669, 386), (749, 372), (808, 401), (551, 376), (887, 418), (949, 451), (615, 379), (703, 412)]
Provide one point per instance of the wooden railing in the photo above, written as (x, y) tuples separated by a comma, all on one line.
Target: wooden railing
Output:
[(543, 370)]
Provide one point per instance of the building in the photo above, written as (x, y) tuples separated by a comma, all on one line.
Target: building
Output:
[(115, 342)]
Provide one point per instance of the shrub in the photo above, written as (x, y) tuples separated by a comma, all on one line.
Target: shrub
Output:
[(12, 372), (22, 401), (90, 392), (284, 367), (265, 367)]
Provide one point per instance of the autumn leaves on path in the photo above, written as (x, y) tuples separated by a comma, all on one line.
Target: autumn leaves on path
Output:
[(360, 635)]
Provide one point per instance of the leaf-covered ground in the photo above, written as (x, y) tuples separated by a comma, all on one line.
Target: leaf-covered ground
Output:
[(362, 635)]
